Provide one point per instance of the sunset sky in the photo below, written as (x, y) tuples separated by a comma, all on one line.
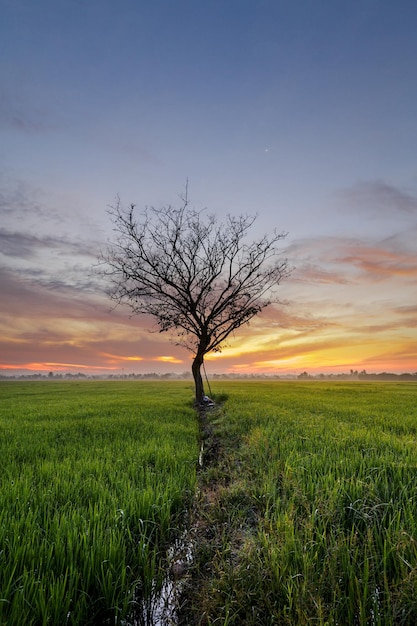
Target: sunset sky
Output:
[(301, 111)]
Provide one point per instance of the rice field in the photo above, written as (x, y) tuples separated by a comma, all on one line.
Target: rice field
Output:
[(95, 478), (305, 511), (314, 504)]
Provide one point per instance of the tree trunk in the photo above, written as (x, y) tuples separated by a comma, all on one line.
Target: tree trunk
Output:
[(198, 380)]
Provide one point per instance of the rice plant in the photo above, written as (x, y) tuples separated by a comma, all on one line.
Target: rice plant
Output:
[(95, 478), (315, 494)]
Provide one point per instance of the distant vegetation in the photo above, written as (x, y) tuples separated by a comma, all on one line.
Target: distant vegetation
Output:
[(352, 375)]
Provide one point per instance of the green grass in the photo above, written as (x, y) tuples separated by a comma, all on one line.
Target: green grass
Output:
[(307, 513), (310, 514), (94, 481)]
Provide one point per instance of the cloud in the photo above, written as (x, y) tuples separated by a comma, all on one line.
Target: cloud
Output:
[(21, 121), (25, 245), (19, 113), (407, 316), (378, 197), (19, 200), (43, 322), (338, 260), (378, 262), (168, 359), (18, 244), (25, 212), (291, 317), (399, 358), (407, 310), (336, 349), (313, 273), (27, 297)]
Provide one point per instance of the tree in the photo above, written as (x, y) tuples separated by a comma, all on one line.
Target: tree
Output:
[(197, 276)]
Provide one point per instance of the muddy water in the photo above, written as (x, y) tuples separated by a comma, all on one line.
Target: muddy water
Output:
[(161, 608)]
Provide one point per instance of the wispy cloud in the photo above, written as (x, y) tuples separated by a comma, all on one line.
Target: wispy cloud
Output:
[(19, 113), (25, 245), (399, 357), (338, 260), (378, 197), (52, 323), (19, 200), (409, 313), (19, 244), (377, 262), (308, 271)]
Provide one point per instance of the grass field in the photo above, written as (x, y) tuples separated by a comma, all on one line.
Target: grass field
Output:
[(304, 513), (314, 504), (94, 481)]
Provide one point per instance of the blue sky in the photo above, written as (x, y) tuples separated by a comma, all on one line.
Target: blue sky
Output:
[(301, 112)]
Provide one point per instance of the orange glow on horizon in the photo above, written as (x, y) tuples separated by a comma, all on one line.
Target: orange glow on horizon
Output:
[(318, 337)]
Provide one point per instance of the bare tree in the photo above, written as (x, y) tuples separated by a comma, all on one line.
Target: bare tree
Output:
[(196, 276)]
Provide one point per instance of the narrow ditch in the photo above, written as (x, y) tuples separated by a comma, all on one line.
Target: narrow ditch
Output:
[(161, 608), (166, 606)]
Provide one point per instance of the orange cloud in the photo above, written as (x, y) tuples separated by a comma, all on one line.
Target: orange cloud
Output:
[(113, 358), (47, 366), (336, 260), (168, 359)]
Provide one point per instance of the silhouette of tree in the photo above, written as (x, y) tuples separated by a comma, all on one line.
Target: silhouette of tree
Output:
[(197, 276)]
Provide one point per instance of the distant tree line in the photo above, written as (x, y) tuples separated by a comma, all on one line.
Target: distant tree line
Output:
[(355, 375), (352, 375)]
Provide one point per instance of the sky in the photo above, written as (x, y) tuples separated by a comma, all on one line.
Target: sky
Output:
[(303, 112)]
